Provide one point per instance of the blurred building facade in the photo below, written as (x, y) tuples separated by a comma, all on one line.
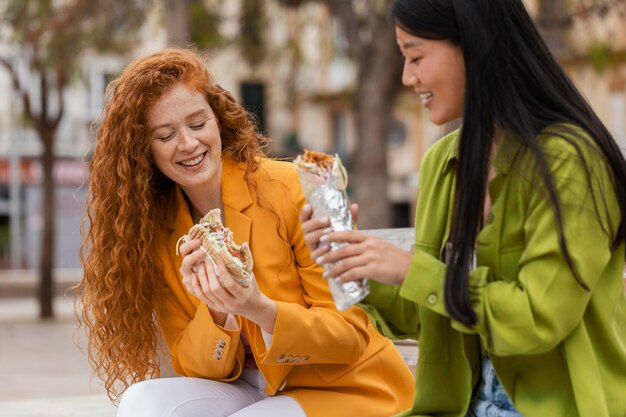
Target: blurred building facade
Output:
[(300, 94)]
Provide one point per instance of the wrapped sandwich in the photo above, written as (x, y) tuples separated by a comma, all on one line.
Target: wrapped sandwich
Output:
[(324, 181), (217, 242)]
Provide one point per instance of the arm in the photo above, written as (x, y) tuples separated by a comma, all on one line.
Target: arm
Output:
[(394, 316), (533, 310), (194, 339)]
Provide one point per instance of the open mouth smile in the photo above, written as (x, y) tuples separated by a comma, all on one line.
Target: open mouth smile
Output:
[(425, 97), (193, 162)]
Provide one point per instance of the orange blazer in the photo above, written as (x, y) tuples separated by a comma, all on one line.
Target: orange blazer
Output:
[(333, 363)]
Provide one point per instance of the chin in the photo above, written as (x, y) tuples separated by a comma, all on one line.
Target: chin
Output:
[(437, 122), (440, 121)]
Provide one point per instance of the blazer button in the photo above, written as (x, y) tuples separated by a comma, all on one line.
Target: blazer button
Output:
[(217, 356), (304, 358), (282, 385), (280, 358), (432, 299), (220, 342), (296, 359)]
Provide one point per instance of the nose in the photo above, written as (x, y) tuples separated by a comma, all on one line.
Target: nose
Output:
[(186, 140), (408, 78)]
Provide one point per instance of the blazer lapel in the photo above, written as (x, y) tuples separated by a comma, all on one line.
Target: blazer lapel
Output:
[(236, 198)]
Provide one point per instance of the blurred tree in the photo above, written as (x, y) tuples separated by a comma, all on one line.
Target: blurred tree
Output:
[(550, 16), (49, 37), (252, 24), (191, 22), (557, 19), (372, 48), (177, 22)]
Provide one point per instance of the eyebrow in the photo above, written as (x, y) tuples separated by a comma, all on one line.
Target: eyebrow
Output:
[(410, 44), (201, 112)]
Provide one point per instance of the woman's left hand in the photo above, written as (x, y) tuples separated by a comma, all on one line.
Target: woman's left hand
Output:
[(365, 256), (222, 293)]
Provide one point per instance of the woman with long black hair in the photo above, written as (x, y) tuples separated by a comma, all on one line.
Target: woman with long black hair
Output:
[(514, 288)]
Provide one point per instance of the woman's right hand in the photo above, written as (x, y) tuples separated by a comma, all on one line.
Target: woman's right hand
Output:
[(190, 269), (314, 229)]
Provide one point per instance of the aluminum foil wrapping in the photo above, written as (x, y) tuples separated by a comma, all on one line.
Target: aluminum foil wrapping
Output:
[(327, 195)]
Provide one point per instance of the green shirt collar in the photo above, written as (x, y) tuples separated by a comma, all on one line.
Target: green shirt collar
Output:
[(503, 159)]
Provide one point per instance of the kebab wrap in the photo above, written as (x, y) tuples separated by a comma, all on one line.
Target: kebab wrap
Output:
[(217, 242), (324, 182)]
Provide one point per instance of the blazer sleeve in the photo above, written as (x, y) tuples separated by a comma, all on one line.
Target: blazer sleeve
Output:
[(314, 329), (198, 347)]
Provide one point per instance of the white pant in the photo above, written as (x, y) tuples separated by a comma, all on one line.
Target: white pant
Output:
[(197, 397)]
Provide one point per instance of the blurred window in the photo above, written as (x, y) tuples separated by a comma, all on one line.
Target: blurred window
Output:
[(253, 100)]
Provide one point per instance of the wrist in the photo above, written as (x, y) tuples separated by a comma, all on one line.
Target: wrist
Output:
[(265, 314), (219, 318), (403, 267)]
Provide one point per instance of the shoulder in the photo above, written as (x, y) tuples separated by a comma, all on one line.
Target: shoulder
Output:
[(272, 171), (563, 140), (276, 179), (439, 160), (442, 152), (276, 169)]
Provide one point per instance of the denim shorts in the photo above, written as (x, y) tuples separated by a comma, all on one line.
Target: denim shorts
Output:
[(491, 400)]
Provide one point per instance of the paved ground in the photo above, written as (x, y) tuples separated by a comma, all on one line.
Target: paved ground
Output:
[(43, 368)]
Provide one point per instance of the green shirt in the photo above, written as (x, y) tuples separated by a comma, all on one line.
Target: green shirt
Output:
[(557, 349)]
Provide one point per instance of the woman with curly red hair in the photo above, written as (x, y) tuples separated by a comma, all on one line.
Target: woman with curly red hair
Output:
[(172, 145)]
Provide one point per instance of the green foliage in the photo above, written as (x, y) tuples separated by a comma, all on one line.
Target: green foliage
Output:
[(253, 24), (599, 55), (204, 25), (54, 33)]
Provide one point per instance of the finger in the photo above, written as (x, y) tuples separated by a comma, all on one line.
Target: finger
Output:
[(220, 281), (320, 251), (306, 213), (195, 288), (229, 283), (354, 274), (313, 225), (348, 236), (341, 253), (187, 282), (345, 264), (312, 239), (205, 287), (191, 259), (187, 247), (354, 210)]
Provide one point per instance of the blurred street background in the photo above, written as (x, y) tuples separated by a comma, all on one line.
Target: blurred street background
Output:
[(43, 366), (317, 74)]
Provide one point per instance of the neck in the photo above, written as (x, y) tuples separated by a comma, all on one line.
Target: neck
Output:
[(201, 200)]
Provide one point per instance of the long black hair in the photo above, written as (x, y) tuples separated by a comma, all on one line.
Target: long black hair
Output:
[(514, 83)]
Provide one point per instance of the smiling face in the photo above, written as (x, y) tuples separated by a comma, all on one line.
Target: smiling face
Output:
[(185, 140), (436, 71)]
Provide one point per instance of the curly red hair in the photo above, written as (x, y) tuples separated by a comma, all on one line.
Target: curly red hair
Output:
[(126, 204)]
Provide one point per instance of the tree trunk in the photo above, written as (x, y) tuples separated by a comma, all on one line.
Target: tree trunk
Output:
[(550, 22), (177, 22), (48, 207), (378, 84)]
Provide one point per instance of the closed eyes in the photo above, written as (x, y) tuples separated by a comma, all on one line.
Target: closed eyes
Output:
[(198, 126), (195, 126)]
